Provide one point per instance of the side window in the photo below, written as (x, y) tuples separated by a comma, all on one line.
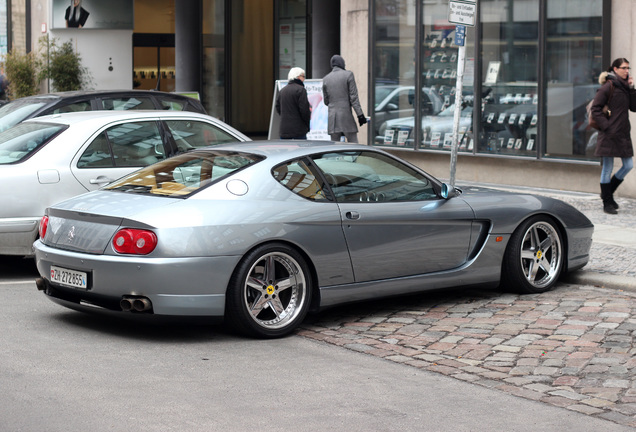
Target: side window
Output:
[(190, 134), (136, 143), (97, 154), (128, 103), (172, 104), (298, 178), (73, 107), (373, 177)]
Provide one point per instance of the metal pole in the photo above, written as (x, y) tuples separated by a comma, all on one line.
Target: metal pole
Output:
[(461, 54)]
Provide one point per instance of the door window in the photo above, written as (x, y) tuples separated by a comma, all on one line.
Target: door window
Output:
[(128, 103), (373, 177), (190, 134), (172, 104), (97, 154), (134, 144), (72, 107), (298, 178)]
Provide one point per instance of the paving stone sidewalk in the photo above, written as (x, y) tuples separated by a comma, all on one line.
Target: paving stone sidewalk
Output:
[(572, 347)]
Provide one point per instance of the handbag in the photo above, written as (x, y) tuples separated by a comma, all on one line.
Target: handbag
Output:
[(606, 111)]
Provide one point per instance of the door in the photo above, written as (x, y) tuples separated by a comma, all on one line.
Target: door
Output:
[(117, 151), (394, 222)]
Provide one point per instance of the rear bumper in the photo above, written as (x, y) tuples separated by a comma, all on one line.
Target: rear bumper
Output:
[(191, 286)]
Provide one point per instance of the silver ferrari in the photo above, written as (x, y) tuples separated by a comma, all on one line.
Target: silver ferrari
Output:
[(262, 233)]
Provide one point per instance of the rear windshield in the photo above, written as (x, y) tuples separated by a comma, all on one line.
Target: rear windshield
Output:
[(19, 142), (14, 112), (184, 174)]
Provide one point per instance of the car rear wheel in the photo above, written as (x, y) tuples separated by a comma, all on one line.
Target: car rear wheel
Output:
[(534, 256), (269, 293)]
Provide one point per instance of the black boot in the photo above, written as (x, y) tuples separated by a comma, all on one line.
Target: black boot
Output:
[(606, 196), (614, 183)]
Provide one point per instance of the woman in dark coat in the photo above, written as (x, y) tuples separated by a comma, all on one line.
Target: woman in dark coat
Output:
[(293, 106), (76, 15), (614, 137)]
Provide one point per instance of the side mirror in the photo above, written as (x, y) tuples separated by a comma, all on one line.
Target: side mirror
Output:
[(391, 107), (449, 191)]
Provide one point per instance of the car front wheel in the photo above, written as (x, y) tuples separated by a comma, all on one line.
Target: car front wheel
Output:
[(534, 256), (269, 293)]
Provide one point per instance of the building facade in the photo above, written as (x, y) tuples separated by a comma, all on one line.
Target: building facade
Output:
[(531, 67)]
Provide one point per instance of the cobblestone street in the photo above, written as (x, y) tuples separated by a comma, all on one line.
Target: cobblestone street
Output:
[(572, 347)]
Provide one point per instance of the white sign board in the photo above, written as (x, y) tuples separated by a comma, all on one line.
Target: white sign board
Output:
[(462, 12)]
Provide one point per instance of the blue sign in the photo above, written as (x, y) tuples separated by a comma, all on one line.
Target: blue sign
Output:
[(460, 35)]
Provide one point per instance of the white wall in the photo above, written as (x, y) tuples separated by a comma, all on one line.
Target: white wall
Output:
[(101, 50)]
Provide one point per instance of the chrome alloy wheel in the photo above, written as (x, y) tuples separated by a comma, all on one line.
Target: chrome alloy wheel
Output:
[(275, 290), (541, 254)]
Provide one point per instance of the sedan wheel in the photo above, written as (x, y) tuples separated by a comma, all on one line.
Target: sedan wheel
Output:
[(269, 293), (534, 256)]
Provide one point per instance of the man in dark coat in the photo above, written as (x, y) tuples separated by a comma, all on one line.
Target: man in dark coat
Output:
[(293, 106), (340, 94), (614, 137)]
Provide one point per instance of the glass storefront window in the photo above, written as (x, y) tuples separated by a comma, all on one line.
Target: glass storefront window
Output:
[(573, 64), (394, 70), (509, 33), (537, 62), (292, 36), (439, 61)]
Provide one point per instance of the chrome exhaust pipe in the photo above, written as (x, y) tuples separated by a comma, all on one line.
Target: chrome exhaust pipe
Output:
[(126, 304), (141, 304), (40, 284), (135, 304)]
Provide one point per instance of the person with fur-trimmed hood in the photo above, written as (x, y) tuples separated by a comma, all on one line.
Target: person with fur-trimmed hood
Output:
[(614, 138)]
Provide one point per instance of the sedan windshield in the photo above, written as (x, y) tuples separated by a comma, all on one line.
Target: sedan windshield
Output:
[(184, 174), (19, 142)]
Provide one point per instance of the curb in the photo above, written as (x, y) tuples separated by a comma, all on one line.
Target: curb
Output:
[(603, 280)]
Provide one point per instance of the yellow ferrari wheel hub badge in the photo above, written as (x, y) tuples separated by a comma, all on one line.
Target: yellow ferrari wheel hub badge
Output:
[(270, 289), (539, 254)]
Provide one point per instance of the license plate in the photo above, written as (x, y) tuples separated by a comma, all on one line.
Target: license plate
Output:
[(72, 278)]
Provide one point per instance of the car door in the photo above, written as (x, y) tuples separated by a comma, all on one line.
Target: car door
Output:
[(118, 150), (394, 223)]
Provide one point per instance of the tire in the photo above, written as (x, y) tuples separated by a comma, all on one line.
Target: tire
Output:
[(534, 257), (269, 293)]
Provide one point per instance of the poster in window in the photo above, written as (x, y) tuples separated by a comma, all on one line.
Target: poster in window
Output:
[(92, 14)]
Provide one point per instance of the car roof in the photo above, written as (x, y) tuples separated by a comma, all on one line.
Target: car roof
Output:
[(97, 93), (95, 119), (289, 149), (107, 116)]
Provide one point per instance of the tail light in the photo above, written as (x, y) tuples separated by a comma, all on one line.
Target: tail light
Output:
[(134, 241), (44, 224)]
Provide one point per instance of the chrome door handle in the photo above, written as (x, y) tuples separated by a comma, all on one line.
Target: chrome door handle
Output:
[(352, 215), (100, 180)]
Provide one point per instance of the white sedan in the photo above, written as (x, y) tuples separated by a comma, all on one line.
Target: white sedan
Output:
[(52, 158)]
